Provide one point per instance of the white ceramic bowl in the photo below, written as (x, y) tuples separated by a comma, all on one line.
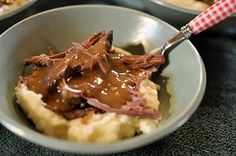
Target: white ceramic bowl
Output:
[(185, 75)]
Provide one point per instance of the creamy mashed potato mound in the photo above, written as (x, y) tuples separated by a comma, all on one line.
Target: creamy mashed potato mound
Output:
[(93, 128)]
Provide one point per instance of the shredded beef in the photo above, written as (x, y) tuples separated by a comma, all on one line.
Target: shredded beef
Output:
[(90, 78), (143, 61)]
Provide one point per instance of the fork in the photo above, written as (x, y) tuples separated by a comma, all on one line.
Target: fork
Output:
[(208, 18)]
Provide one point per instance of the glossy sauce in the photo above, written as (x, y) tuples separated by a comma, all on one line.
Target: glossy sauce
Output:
[(112, 88)]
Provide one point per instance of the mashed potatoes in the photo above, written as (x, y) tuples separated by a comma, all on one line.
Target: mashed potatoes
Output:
[(95, 128), (99, 128)]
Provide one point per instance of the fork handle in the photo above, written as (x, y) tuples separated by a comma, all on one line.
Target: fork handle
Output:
[(213, 15)]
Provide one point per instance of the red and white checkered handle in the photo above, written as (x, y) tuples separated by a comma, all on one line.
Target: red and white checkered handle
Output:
[(213, 15)]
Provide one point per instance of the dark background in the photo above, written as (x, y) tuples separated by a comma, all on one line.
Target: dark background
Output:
[(212, 128)]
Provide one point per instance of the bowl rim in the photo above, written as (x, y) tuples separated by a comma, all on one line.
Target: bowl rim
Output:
[(180, 9), (16, 10), (124, 145)]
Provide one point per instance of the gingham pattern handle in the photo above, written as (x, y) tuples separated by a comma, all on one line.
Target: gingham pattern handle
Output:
[(213, 15)]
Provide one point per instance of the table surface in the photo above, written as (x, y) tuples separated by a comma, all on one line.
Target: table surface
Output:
[(212, 128)]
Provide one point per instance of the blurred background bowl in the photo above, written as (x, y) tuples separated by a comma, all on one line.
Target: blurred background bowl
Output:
[(174, 15), (57, 28), (13, 11)]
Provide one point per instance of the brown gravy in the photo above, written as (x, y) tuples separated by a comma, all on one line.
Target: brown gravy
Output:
[(112, 88), (89, 77)]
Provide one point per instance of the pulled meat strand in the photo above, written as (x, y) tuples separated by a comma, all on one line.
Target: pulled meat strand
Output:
[(79, 113), (143, 61), (94, 38), (41, 60), (131, 108)]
